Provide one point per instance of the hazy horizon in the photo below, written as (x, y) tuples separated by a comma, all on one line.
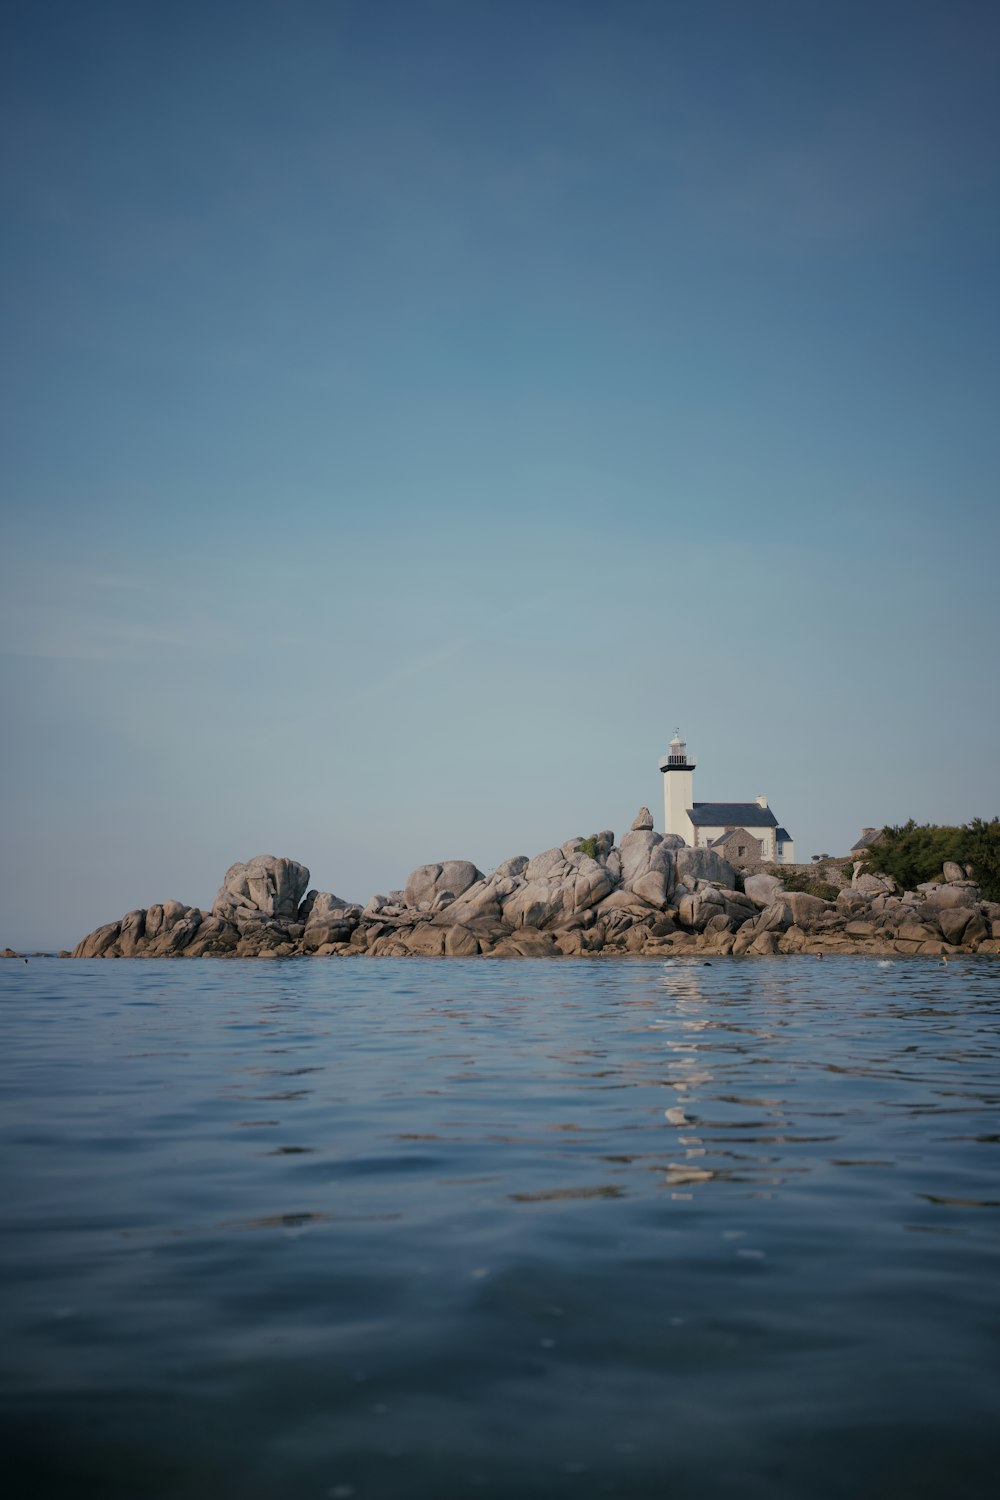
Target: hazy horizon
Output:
[(412, 412)]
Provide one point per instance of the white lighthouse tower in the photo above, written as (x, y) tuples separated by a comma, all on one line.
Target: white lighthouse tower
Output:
[(678, 788)]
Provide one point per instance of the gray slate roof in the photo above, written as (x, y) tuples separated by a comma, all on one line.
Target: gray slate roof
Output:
[(783, 836), (740, 814), (867, 839)]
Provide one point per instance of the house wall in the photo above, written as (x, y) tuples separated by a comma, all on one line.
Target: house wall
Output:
[(739, 840), (704, 836), (786, 855), (765, 836)]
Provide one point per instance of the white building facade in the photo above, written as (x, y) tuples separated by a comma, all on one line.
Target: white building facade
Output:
[(703, 825)]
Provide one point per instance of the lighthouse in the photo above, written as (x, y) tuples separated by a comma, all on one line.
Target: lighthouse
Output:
[(678, 788), (744, 833)]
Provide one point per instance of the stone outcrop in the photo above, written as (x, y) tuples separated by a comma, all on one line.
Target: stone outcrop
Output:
[(554, 887), (263, 887), (953, 894), (873, 885), (587, 897), (329, 920), (762, 888), (703, 864), (807, 910), (432, 884), (647, 867)]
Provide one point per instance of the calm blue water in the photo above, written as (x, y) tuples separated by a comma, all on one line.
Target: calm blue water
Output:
[(444, 1228)]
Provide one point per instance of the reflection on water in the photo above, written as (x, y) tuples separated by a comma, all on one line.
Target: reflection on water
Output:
[(535, 1229)]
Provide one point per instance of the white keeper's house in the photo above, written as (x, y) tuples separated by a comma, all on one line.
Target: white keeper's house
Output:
[(744, 833)]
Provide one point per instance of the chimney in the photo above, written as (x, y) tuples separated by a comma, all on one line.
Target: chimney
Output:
[(761, 801)]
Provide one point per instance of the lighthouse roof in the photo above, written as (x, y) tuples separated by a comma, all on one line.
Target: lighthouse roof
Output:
[(740, 814)]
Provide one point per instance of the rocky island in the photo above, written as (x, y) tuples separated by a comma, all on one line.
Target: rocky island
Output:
[(649, 894)]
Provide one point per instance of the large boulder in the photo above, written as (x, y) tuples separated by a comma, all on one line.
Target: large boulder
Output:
[(461, 942), (177, 936), (647, 866), (941, 896), (132, 934), (762, 889), (160, 919), (623, 901), (917, 932), (551, 862), (953, 871), (774, 918), (873, 885), (424, 940), (555, 886), (265, 886), (806, 910), (953, 921), (527, 942), (643, 821), (702, 864), (895, 914), (96, 943), (427, 883), (483, 899), (212, 938), (697, 909), (737, 906), (550, 891), (714, 908), (976, 930), (330, 920)]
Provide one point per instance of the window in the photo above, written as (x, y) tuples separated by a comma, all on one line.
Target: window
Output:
[(741, 850)]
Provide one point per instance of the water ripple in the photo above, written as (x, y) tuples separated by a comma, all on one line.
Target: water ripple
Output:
[(535, 1229)]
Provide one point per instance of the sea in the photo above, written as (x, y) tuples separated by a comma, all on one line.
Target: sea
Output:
[(422, 1229)]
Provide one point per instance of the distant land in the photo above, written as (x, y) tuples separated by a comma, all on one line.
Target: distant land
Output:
[(648, 894)]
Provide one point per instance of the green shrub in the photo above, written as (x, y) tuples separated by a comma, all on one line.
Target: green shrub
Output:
[(981, 850), (589, 846), (914, 852)]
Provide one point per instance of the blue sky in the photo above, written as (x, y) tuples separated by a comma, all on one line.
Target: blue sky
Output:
[(412, 411)]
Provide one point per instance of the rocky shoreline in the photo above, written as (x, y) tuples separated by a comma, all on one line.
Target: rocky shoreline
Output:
[(650, 895)]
